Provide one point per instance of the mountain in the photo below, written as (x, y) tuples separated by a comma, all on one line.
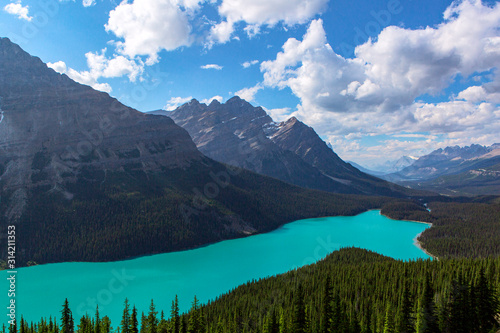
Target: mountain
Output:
[(401, 163), (236, 133), (387, 167), (471, 170), (53, 130), (365, 170), (480, 181), (86, 178), (245, 136), (448, 161)]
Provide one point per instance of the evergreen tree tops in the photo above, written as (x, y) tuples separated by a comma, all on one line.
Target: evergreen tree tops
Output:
[(352, 290)]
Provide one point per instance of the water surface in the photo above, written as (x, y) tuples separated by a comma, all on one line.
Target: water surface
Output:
[(207, 272)]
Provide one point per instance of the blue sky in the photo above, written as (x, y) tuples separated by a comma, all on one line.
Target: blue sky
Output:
[(377, 79)]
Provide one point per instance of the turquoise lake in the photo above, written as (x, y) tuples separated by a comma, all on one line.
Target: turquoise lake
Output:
[(205, 272)]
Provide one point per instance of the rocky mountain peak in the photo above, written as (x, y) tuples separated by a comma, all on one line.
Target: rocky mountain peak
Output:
[(214, 103), (292, 121), (236, 99), (240, 134)]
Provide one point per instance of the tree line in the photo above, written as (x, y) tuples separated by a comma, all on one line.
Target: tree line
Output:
[(352, 290), (459, 229)]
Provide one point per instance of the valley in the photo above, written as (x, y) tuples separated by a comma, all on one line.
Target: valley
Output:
[(309, 186), (207, 271)]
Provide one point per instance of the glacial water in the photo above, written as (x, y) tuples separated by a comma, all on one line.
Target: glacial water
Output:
[(205, 272)]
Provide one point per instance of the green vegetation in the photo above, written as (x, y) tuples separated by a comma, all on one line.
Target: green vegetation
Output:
[(352, 290), (467, 229), (478, 181), (118, 215)]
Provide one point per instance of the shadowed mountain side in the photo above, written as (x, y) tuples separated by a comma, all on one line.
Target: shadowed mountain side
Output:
[(85, 178), (239, 134)]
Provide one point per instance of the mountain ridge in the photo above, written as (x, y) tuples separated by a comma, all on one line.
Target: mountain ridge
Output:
[(469, 170), (86, 178), (242, 135)]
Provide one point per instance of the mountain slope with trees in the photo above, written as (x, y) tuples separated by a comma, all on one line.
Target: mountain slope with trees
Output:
[(352, 290), (245, 136), (85, 178)]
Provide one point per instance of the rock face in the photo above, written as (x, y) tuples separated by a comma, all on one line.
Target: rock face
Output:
[(53, 128), (239, 134), (85, 178)]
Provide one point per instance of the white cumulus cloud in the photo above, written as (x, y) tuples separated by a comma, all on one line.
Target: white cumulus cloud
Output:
[(207, 101), (16, 8), (391, 72), (248, 94), (101, 67), (212, 66), (174, 102), (258, 13), (83, 77), (279, 114), (247, 64), (88, 3), (376, 93), (149, 26)]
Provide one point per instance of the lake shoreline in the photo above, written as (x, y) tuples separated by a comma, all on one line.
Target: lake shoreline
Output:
[(415, 240), (417, 243), (223, 266), (420, 246), (196, 247)]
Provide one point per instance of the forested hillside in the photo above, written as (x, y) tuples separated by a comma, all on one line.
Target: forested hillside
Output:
[(459, 229), (352, 290), (125, 214)]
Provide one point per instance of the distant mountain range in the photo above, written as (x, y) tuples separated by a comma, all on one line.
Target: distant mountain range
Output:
[(388, 167), (366, 170), (400, 164), (470, 170), (86, 178), (245, 136)]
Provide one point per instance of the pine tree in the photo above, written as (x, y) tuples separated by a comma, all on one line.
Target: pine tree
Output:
[(299, 311), (194, 317), (125, 324), (51, 324), (339, 324), (427, 318), (456, 311), (354, 326), (85, 325), (389, 320), (152, 320), (97, 321), (67, 325), (220, 326), (134, 325), (327, 311), (13, 327), (282, 322), (271, 324), (22, 326), (368, 320), (183, 325), (174, 316), (487, 304), (405, 323), (162, 325), (105, 325), (144, 323)]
